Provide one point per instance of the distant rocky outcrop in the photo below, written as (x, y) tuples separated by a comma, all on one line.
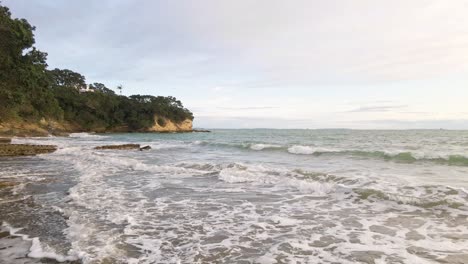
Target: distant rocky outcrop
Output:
[(120, 147), (201, 130), (166, 125)]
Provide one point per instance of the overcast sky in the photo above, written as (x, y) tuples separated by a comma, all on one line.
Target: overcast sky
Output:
[(275, 64)]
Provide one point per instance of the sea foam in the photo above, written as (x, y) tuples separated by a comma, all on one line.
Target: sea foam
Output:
[(37, 250)]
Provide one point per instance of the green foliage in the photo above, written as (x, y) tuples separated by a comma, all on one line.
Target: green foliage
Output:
[(24, 86), (30, 92), (161, 121), (67, 78)]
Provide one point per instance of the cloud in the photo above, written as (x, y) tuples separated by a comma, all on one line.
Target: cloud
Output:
[(316, 41), (305, 42), (269, 58), (249, 108), (381, 108), (415, 124)]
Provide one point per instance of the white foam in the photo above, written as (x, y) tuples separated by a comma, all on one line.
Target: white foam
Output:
[(285, 221), (263, 146), (179, 213), (199, 142), (86, 135), (307, 150), (37, 250), (279, 177)]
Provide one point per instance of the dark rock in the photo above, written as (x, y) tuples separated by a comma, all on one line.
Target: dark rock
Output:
[(5, 140), (120, 147), (201, 130), (145, 148), (25, 149)]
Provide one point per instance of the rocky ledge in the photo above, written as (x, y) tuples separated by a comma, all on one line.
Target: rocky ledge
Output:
[(120, 147), (25, 150), (201, 130), (124, 147)]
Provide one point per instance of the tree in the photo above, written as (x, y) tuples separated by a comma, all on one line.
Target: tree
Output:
[(24, 82), (30, 92), (99, 87), (120, 87), (67, 78)]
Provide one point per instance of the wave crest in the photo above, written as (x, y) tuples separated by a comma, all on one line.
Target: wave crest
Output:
[(263, 146), (395, 155)]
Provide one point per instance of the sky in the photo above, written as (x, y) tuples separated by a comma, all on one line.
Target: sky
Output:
[(270, 63)]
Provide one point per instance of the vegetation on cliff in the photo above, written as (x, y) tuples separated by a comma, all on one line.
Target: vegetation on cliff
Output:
[(30, 92)]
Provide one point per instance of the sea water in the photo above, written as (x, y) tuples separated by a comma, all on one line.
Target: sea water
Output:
[(240, 196)]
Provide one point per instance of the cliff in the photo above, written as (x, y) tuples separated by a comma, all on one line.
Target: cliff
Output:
[(166, 125), (46, 127)]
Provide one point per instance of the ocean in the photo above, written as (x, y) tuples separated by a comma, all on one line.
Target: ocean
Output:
[(240, 196)]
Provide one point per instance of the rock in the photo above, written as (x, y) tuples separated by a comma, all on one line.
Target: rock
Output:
[(145, 148), (120, 147), (5, 140), (25, 149), (166, 125), (4, 184)]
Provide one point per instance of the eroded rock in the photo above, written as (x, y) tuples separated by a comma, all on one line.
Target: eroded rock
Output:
[(145, 148), (120, 147), (25, 149)]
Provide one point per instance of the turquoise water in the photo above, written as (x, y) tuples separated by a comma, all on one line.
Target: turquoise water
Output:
[(243, 196)]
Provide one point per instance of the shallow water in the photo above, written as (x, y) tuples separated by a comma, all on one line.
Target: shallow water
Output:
[(241, 196)]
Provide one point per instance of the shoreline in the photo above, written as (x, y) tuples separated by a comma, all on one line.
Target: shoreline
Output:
[(25, 134), (17, 240)]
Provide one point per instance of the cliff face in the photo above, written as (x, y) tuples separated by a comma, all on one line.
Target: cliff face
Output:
[(169, 126), (44, 128)]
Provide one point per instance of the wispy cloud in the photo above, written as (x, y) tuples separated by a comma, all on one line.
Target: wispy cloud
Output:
[(378, 108), (249, 108)]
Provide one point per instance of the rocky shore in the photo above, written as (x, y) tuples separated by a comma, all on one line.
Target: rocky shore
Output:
[(25, 150), (123, 147), (120, 147)]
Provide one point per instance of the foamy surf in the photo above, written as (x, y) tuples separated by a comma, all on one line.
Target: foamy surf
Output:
[(36, 250), (86, 135), (234, 197), (264, 146)]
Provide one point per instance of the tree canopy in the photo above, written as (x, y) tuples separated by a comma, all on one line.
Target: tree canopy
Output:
[(29, 91)]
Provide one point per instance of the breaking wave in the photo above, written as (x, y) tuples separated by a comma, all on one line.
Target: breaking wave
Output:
[(403, 156)]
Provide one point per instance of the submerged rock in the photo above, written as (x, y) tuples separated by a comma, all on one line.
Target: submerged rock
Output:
[(145, 148), (120, 147), (25, 149), (4, 184), (5, 140)]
